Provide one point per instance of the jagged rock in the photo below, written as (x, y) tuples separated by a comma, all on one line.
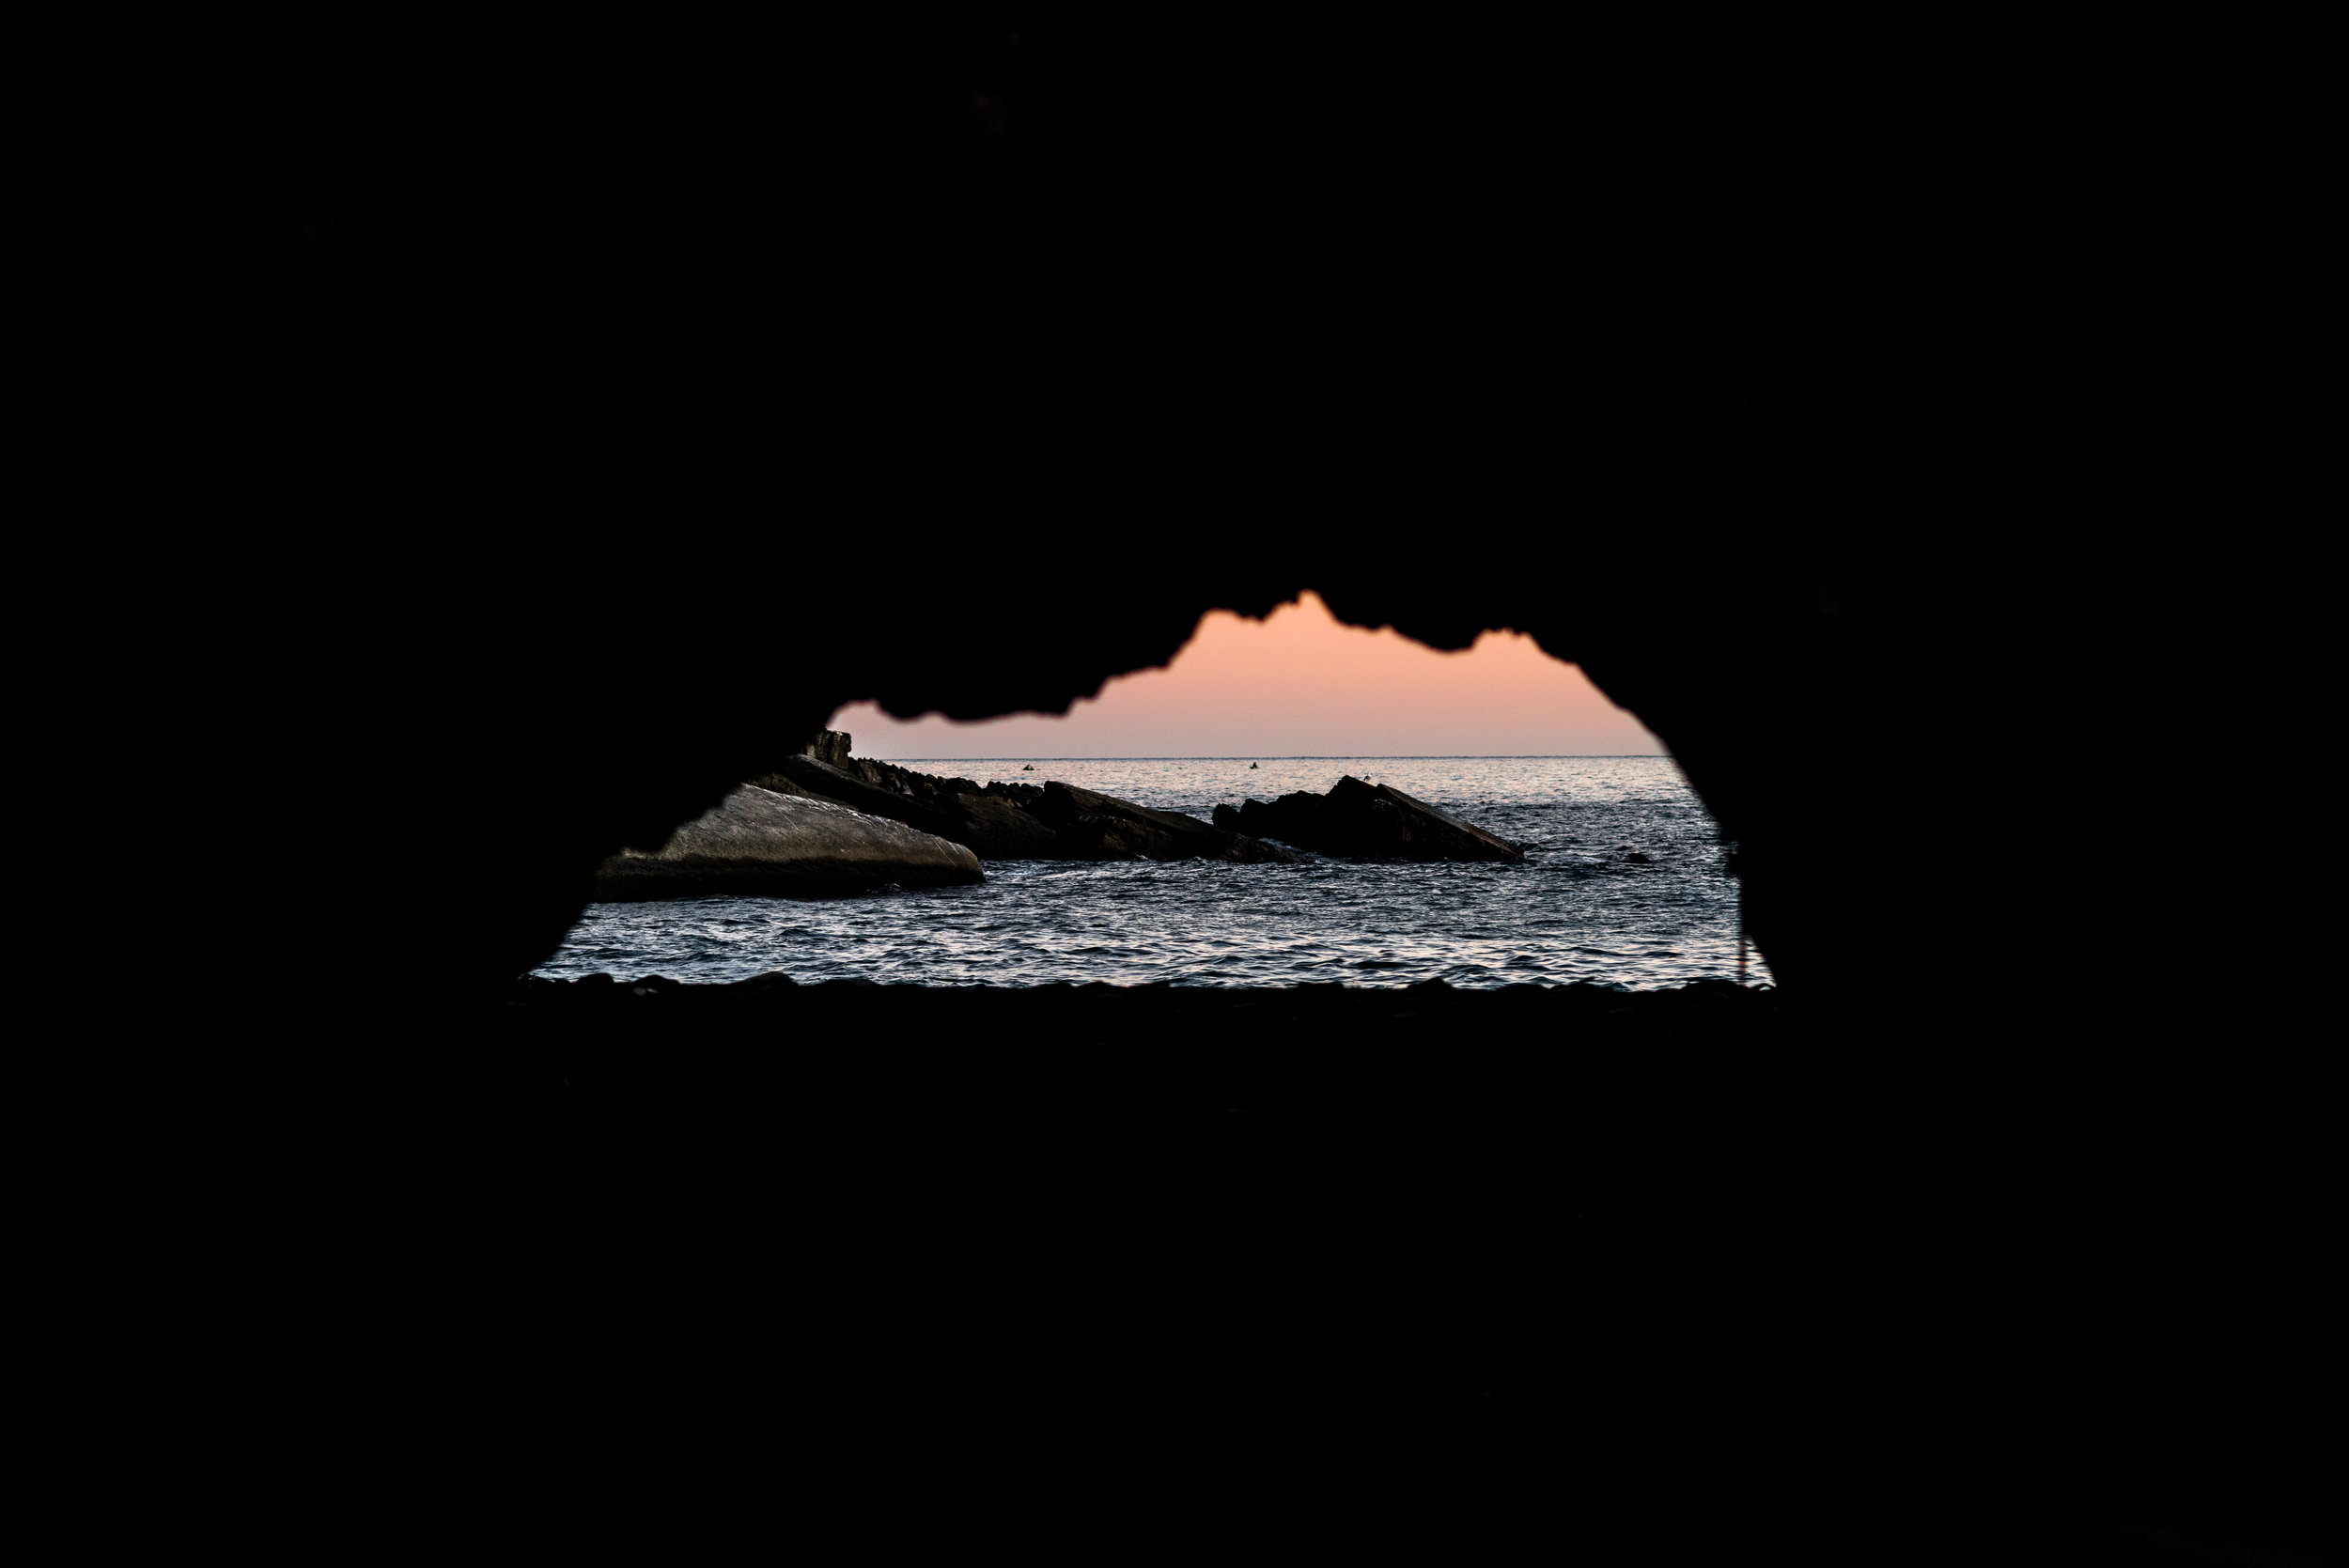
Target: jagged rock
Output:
[(1013, 821), (858, 792), (760, 843), (829, 746), (1093, 825), (1062, 803), (1366, 820), (1067, 822), (995, 828)]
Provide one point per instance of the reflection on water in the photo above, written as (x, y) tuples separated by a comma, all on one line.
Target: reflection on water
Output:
[(1574, 909)]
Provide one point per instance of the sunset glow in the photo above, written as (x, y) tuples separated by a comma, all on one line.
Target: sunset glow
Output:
[(1300, 684)]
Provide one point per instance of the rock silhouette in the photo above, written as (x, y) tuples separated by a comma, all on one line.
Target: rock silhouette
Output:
[(1010, 822), (1093, 825), (1370, 821), (953, 809)]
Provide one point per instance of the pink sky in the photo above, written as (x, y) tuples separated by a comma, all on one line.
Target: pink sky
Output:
[(1298, 684)]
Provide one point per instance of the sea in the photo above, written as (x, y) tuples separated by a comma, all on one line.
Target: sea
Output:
[(1576, 909)]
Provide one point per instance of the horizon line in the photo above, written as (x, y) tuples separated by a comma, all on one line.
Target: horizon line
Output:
[(1299, 756)]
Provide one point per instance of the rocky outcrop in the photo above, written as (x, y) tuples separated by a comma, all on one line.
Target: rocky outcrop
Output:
[(858, 791), (999, 830), (1009, 821), (1096, 826), (758, 842), (828, 746), (991, 826), (1369, 821)]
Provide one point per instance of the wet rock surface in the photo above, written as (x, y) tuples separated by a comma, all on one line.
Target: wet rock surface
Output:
[(1371, 821), (757, 842)]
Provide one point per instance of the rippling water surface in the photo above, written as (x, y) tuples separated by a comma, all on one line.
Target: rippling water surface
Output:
[(1574, 909)]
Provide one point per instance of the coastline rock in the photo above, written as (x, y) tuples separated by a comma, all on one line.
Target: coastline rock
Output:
[(1366, 822), (823, 780), (1009, 821), (999, 830), (1093, 825), (763, 844), (780, 784), (992, 826), (1061, 804), (828, 746)]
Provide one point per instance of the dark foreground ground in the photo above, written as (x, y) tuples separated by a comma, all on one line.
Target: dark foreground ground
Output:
[(1673, 1277)]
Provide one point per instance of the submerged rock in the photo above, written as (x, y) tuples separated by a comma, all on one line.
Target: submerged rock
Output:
[(1368, 821), (760, 843)]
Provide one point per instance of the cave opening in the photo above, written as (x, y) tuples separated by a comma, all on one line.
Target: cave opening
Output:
[(1617, 876)]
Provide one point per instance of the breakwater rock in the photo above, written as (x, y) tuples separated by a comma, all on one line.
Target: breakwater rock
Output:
[(761, 843), (1366, 820), (1009, 821)]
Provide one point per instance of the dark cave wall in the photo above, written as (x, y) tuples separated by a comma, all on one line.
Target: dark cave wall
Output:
[(1925, 427), (1908, 424)]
